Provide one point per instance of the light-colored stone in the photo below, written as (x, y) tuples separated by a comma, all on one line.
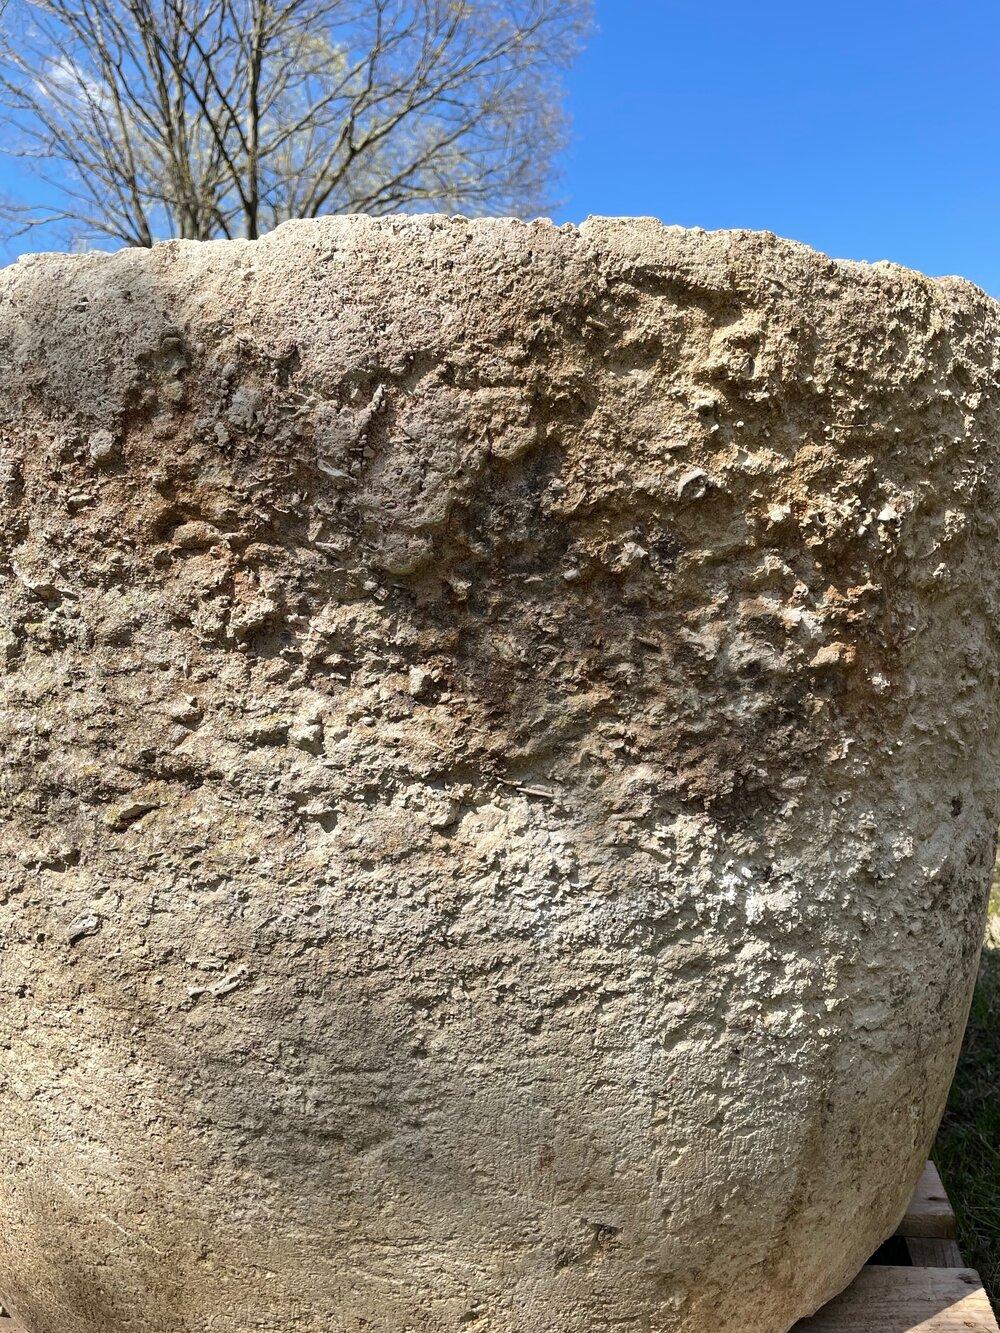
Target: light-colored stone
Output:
[(498, 783)]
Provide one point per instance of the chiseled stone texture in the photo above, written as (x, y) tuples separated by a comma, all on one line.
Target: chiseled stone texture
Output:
[(498, 784)]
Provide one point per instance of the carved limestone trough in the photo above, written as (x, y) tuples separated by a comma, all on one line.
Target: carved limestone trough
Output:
[(498, 787)]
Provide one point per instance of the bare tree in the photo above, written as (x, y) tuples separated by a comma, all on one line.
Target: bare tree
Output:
[(202, 118)]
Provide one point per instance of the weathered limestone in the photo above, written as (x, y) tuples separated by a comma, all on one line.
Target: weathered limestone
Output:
[(499, 785)]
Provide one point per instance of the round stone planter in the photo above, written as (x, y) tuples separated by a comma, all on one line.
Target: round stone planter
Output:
[(498, 787)]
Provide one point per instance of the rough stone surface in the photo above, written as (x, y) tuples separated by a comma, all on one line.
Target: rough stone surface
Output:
[(498, 785)]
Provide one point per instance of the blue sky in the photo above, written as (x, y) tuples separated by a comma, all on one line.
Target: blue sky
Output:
[(869, 130)]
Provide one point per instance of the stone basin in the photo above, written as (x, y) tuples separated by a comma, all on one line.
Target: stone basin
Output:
[(499, 787)]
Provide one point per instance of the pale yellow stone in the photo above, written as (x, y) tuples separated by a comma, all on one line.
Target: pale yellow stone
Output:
[(498, 773)]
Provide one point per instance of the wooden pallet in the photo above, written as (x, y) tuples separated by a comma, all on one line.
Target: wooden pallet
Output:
[(935, 1293)]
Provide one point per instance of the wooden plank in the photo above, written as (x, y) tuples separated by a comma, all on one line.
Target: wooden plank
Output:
[(932, 1252), (929, 1213), (907, 1300)]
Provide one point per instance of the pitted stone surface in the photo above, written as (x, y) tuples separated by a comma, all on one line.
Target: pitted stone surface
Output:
[(498, 786)]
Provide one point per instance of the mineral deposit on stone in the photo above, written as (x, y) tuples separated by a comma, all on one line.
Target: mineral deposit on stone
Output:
[(498, 786)]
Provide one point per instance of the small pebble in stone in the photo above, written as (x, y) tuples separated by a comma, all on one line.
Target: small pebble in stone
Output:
[(103, 447)]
